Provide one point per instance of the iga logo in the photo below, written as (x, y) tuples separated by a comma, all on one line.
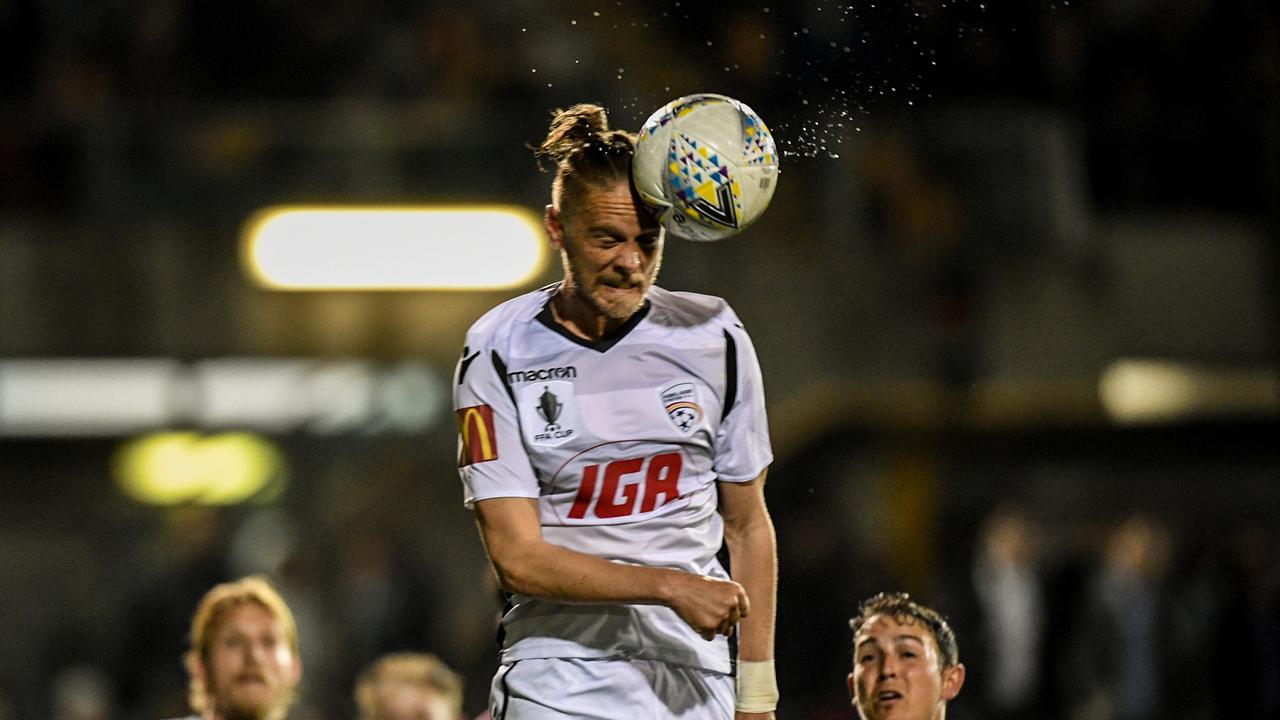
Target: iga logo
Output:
[(627, 487), (681, 403)]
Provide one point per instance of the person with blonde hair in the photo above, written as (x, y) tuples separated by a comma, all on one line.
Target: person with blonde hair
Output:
[(243, 662), (409, 686)]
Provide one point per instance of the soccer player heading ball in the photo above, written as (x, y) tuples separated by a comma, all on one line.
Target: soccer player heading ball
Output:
[(613, 436)]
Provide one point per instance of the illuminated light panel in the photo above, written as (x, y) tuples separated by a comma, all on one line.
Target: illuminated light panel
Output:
[(181, 467), (103, 397), (1138, 391), (481, 247), (85, 396), (246, 392)]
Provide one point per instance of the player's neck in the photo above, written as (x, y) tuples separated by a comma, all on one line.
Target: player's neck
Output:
[(580, 318)]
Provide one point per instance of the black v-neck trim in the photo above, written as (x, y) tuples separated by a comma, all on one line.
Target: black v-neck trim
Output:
[(546, 317)]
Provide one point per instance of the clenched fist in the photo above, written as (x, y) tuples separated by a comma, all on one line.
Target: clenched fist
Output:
[(710, 606)]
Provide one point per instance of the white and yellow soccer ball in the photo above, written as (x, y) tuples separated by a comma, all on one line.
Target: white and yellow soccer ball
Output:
[(706, 165)]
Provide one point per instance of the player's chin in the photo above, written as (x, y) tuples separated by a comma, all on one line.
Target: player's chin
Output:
[(251, 699), (244, 707), (620, 303)]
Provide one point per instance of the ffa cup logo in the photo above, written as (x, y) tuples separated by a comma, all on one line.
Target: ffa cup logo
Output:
[(549, 407), (681, 403), (549, 412)]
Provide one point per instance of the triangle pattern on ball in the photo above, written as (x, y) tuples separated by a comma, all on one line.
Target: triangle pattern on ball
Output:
[(702, 181)]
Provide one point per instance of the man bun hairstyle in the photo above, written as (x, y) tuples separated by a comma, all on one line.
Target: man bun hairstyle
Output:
[(586, 152)]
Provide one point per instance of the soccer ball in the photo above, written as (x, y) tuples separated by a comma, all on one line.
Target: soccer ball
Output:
[(706, 166)]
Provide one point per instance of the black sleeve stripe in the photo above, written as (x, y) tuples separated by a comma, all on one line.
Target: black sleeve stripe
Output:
[(730, 374), (501, 368), (465, 363)]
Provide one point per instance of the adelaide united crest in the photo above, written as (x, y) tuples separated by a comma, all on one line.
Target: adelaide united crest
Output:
[(681, 403)]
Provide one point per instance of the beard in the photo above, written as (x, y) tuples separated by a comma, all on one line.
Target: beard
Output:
[(251, 711), (232, 705), (243, 713), (604, 302)]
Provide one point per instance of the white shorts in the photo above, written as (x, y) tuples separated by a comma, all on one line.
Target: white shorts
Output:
[(608, 689)]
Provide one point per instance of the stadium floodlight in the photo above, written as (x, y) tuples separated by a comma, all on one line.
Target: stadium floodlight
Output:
[(471, 247)]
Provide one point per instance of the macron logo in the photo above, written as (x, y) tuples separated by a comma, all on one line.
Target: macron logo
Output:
[(567, 372)]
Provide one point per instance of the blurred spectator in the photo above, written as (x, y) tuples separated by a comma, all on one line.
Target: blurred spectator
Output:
[(1249, 627), (243, 660), (82, 692), (1121, 644), (1010, 593), (409, 686)]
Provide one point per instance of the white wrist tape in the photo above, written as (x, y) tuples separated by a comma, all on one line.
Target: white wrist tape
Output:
[(757, 687)]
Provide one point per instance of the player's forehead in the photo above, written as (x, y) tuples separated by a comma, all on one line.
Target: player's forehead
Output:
[(405, 693), (888, 628), (613, 206), (248, 617)]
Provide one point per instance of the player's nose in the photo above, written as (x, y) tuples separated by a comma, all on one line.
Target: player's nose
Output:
[(888, 667), (629, 256)]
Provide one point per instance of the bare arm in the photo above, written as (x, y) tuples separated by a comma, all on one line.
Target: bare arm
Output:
[(527, 564), (753, 561)]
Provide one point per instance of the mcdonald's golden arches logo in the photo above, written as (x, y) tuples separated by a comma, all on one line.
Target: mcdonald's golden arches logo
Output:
[(479, 442)]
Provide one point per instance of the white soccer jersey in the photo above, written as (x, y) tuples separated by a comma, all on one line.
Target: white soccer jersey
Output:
[(622, 443)]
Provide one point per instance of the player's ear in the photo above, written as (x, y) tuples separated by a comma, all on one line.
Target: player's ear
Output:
[(853, 691), (195, 666), (952, 679), (555, 228), (295, 673)]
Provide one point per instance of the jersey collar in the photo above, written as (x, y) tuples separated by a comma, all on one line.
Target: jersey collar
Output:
[(546, 317)]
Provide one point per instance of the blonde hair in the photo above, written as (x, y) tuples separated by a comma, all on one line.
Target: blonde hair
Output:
[(208, 619), (417, 669)]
